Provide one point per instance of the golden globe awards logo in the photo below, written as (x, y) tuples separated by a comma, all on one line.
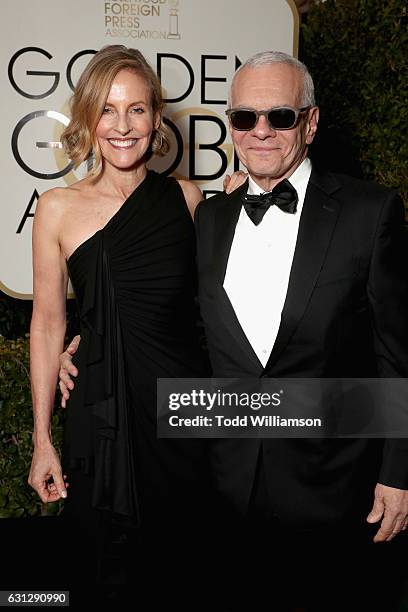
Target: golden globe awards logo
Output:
[(149, 19)]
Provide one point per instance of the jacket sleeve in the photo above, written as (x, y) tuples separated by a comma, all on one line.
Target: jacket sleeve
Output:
[(388, 298)]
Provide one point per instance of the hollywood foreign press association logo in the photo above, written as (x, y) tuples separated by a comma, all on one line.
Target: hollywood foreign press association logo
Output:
[(150, 19), (174, 21)]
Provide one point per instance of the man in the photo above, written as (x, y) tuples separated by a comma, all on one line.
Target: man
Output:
[(317, 289), (317, 293)]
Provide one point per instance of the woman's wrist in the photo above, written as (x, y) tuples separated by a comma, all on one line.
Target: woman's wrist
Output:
[(42, 439)]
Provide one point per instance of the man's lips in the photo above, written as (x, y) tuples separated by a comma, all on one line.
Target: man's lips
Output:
[(263, 150)]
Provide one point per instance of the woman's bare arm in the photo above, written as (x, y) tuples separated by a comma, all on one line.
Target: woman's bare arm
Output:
[(47, 333)]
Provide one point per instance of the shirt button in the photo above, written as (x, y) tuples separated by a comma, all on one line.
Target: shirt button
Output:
[(264, 351)]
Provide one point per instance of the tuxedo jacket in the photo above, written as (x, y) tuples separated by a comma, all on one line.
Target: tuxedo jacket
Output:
[(345, 316)]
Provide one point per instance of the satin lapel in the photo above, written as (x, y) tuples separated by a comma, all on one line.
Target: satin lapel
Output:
[(319, 216), (225, 222)]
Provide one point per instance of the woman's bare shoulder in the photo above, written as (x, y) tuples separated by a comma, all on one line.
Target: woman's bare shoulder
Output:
[(190, 189), (58, 198), (192, 194)]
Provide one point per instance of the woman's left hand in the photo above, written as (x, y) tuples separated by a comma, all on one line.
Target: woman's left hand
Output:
[(234, 181)]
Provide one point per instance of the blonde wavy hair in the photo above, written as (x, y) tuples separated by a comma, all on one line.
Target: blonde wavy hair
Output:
[(89, 99)]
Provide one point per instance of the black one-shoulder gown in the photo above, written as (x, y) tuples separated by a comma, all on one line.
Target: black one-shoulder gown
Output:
[(135, 285)]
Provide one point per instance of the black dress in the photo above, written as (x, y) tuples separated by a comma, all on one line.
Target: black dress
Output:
[(135, 285)]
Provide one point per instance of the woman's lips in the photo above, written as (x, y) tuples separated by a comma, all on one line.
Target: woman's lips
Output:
[(122, 144)]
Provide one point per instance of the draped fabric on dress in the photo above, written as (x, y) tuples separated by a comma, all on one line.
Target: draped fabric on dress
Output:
[(135, 283)]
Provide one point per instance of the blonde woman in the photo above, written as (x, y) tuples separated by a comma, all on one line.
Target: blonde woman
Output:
[(125, 237)]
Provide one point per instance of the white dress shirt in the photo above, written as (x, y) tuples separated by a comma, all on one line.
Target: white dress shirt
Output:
[(259, 264)]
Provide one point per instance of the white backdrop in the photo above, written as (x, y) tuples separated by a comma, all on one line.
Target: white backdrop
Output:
[(195, 46)]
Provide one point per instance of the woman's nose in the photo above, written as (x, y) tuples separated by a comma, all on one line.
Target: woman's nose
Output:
[(122, 125)]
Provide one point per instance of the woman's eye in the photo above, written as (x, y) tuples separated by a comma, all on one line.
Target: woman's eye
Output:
[(106, 109), (138, 109)]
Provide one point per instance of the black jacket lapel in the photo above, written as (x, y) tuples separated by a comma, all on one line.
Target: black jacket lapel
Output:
[(319, 216), (225, 223)]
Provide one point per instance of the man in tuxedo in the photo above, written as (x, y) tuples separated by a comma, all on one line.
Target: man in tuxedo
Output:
[(308, 281)]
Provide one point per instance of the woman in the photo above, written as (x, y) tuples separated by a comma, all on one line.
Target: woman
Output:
[(125, 237)]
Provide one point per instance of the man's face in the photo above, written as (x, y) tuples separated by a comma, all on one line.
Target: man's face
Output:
[(271, 155)]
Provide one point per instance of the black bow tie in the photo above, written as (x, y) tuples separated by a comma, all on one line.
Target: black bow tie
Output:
[(283, 195)]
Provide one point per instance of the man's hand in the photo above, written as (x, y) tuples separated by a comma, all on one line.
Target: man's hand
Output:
[(390, 505), (67, 369), (230, 183)]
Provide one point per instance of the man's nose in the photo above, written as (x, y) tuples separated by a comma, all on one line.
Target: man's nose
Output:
[(263, 129)]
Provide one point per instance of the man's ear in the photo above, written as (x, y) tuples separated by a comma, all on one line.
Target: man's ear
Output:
[(311, 124)]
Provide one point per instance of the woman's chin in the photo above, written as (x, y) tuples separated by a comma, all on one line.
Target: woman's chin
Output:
[(126, 163)]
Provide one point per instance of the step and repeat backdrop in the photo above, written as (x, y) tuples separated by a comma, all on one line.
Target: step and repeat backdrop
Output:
[(194, 45)]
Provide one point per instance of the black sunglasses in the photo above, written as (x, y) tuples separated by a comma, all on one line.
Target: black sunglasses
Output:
[(279, 118)]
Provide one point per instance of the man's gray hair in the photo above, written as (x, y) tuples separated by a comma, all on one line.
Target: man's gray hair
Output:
[(277, 57)]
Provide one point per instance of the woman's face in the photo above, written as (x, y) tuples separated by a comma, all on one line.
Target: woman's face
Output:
[(125, 128)]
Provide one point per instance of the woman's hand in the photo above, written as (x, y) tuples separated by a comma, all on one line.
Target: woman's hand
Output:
[(45, 465), (230, 183)]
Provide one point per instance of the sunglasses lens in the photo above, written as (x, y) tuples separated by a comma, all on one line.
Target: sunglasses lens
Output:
[(282, 118), (243, 119)]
